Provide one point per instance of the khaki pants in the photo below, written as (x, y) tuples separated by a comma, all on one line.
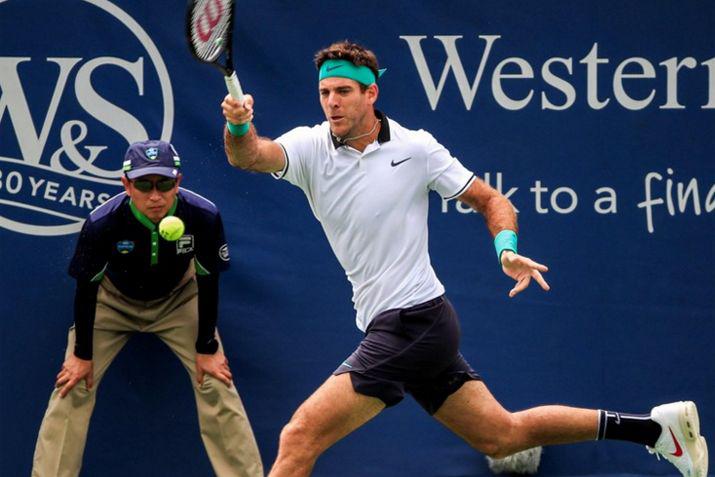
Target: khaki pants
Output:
[(225, 429)]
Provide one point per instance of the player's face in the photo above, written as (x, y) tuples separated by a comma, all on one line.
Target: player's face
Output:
[(346, 107), (154, 203)]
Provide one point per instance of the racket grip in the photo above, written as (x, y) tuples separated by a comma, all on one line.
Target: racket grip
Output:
[(234, 87)]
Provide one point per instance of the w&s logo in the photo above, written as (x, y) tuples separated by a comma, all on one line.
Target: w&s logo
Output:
[(71, 100)]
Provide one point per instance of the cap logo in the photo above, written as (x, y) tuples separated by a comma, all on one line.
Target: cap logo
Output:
[(152, 153)]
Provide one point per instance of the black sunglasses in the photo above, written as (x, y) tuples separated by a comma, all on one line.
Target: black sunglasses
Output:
[(162, 185)]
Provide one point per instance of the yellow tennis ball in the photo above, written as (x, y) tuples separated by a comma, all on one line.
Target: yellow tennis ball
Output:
[(171, 228)]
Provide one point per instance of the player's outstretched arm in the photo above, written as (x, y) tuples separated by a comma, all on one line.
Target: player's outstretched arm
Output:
[(249, 151), (499, 215)]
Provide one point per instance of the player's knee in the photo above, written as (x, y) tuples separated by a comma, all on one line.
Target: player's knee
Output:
[(297, 438), (498, 452), (496, 448), (504, 441), (294, 433)]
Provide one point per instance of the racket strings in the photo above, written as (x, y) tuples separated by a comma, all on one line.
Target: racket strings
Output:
[(210, 50), (209, 28)]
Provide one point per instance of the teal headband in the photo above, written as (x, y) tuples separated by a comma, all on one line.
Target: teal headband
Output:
[(345, 69)]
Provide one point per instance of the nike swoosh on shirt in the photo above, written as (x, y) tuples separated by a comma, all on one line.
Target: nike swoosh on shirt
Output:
[(397, 163), (678, 450)]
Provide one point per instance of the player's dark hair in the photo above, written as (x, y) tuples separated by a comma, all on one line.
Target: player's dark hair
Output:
[(347, 50)]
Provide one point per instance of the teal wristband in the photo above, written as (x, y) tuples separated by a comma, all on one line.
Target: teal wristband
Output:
[(505, 240), (238, 130)]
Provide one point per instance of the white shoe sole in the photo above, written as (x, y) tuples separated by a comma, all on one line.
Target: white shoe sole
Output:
[(690, 422), (695, 443)]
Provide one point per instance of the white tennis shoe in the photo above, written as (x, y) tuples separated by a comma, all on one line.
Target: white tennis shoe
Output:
[(680, 441)]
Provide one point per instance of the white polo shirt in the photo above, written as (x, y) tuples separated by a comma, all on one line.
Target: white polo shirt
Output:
[(373, 207)]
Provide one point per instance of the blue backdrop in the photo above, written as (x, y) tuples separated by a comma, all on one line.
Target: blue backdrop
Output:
[(596, 118)]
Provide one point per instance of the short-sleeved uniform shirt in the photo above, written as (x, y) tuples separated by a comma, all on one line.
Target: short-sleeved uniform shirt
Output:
[(373, 207), (118, 241)]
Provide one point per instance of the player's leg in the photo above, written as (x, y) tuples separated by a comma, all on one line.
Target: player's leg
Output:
[(671, 430), (464, 404), (457, 397), (363, 385), (225, 429), (332, 412), (63, 433), (476, 416)]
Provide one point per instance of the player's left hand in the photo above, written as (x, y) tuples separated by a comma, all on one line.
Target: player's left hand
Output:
[(214, 364), (522, 269)]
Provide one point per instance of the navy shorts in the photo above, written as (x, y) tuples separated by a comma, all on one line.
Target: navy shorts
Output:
[(413, 350)]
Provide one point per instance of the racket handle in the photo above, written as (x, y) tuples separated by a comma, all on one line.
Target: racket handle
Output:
[(234, 87)]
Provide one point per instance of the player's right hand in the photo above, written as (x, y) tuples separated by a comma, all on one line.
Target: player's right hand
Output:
[(522, 269), (74, 370), (237, 112)]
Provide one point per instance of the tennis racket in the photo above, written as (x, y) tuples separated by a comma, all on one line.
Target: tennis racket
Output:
[(209, 28)]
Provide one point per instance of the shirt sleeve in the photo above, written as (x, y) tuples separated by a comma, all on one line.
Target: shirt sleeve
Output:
[(299, 146), (206, 342), (446, 175), (85, 308), (212, 254), (91, 255)]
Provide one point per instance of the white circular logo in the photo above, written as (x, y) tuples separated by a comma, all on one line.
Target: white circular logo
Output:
[(223, 253), (69, 107)]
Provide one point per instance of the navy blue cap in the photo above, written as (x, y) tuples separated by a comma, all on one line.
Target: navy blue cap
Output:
[(151, 157)]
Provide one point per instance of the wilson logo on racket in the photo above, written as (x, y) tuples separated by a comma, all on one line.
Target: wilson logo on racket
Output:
[(69, 109), (209, 16)]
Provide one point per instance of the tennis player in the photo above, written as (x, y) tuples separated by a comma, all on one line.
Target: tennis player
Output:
[(367, 180)]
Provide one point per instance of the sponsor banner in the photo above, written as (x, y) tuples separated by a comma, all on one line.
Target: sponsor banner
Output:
[(596, 119), (70, 108)]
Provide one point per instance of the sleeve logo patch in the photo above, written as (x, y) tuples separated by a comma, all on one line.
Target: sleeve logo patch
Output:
[(125, 246), (223, 253)]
